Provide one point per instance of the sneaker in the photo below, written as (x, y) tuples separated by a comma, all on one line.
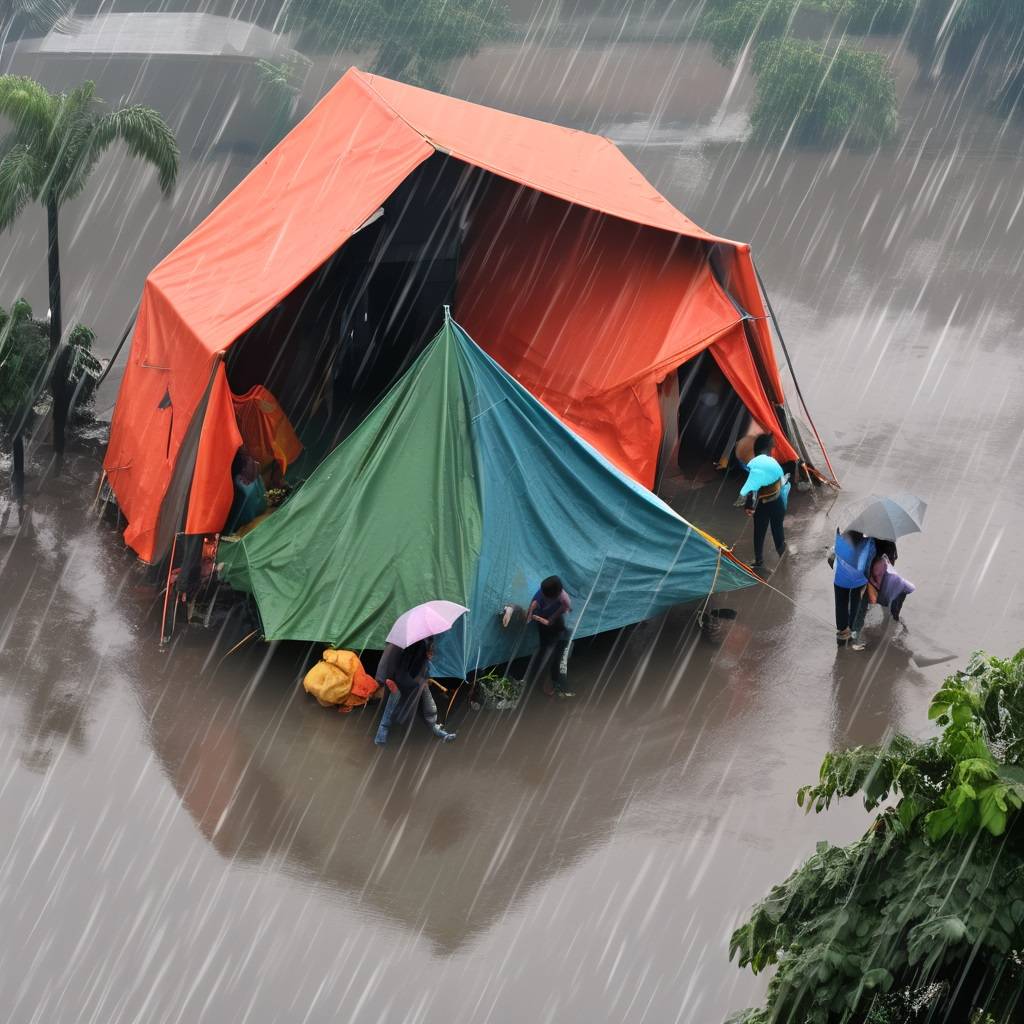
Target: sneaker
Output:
[(856, 644), (842, 637), (757, 564), (789, 549), (565, 693), (442, 734)]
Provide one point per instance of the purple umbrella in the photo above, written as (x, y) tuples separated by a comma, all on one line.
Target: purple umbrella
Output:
[(425, 620)]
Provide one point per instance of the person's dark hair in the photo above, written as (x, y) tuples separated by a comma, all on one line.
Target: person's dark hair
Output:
[(887, 548), (856, 537), (763, 444), (551, 587), (416, 655)]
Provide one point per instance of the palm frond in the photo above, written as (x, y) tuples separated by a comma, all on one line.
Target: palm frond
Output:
[(68, 146), (19, 183), (29, 106), (145, 135), (38, 13)]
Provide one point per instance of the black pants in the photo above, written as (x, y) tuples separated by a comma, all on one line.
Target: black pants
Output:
[(553, 656), (769, 513), (847, 606)]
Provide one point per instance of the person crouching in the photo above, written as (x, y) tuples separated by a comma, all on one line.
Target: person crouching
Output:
[(405, 673)]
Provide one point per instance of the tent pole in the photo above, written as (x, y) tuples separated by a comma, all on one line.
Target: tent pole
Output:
[(789, 363), (117, 351), (167, 591)]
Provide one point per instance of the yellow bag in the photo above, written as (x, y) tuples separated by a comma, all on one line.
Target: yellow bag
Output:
[(330, 680)]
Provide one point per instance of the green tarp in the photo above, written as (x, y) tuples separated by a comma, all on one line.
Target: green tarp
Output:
[(462, 486)]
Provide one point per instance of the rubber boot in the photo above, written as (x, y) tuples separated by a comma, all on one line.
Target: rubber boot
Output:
[(381, 738)]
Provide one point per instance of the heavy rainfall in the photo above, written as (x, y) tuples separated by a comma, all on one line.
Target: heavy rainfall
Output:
[(188, 835)]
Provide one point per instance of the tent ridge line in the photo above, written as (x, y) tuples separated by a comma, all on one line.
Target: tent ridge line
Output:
[(696, 232)]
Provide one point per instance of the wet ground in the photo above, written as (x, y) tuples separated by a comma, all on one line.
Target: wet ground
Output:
[(188, 839)]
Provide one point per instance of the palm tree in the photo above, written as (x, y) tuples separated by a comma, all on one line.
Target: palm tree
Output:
[(54, 144), (25, 17)]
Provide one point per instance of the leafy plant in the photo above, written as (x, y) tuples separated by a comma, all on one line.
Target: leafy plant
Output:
[(278, 91), (870, 16), (18, 17), (810, 93), (24, 357), (980, 42), (927, 908), (501, 690), (412, 38), (54, 144), (731, 26), (823, 96)]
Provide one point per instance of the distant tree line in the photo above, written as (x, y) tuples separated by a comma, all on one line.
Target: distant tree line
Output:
[(828, 91)]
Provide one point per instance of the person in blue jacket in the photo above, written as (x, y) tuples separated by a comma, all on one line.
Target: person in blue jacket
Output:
[(851, 558), (765, 492)]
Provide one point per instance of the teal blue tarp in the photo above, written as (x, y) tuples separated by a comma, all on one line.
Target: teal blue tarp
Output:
[(545, 503)]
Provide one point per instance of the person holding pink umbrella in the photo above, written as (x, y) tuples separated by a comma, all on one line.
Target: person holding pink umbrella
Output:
[(404, 668)]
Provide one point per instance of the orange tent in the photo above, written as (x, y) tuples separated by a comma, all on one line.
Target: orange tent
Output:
[(575, 274)]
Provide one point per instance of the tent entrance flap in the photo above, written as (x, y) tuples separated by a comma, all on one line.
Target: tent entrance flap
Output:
[(332, 348), (702, 417)]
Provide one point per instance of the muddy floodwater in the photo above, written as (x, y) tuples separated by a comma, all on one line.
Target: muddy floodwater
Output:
[(190, 838)]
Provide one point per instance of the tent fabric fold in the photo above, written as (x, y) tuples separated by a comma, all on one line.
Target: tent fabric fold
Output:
[(504, 496)]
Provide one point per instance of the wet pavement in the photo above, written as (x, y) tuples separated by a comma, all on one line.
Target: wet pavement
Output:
[(191, 839)]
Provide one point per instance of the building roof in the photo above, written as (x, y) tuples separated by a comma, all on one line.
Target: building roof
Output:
[(160, 33)]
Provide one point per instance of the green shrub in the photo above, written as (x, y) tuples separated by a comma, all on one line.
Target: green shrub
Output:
[(869, 16), (24, 359), (823, 96), (922, 918), (24, 348), (729, 25)]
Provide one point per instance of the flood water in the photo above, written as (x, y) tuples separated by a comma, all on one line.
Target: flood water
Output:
[(188, 838)]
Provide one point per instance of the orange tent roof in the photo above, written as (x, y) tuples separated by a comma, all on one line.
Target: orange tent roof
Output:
[(285, 219)]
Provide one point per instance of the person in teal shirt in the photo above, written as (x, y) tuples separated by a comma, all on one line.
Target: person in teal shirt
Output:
[(765, 493)]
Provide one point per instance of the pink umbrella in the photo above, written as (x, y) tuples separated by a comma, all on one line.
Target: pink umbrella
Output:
[(425, 620)]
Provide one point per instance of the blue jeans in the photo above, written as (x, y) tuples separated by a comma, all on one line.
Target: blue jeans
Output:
[(398, 707)]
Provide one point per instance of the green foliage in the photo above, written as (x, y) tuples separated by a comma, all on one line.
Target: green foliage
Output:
[(823, 96), (873, 16), (24, 348), (978, 41), (56, 140), (731, 26), (18, 17), (24, 358), (412, 38), (84, 368), (809, 93), (931, 896), (499, 691), (277, 92)]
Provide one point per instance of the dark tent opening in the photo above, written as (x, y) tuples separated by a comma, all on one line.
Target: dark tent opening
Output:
[(333, 347)]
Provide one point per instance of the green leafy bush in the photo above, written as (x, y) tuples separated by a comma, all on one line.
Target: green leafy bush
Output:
[(978, 42), (871, 16), (818, 95), (24, 358), (412, 38), (24, 351), (732, 25), (926, 910)]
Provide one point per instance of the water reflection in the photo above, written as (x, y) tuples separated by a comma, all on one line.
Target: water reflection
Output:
[(62, 632)]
